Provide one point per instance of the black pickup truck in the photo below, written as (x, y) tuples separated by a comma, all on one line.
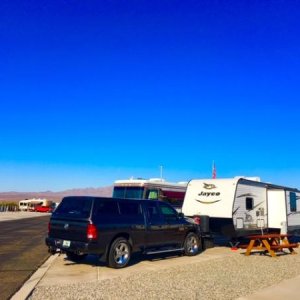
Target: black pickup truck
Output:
[(114, 228)]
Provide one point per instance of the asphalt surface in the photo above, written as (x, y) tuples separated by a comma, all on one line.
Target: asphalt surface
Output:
[(22, 252)]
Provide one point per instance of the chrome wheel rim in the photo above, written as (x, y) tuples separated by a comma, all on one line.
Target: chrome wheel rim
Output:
[(121, 254), (192, 244)]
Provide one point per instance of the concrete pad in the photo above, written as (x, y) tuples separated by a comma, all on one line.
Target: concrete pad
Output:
[(63, 271), (289, 288)]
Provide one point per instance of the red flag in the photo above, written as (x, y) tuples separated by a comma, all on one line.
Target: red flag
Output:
[(214, 171)]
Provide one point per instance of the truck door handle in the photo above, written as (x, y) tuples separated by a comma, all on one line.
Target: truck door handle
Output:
[(138, 226)]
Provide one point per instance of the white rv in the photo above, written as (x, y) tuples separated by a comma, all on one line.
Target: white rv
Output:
[(239, 206), (153, 188), (29, 204)]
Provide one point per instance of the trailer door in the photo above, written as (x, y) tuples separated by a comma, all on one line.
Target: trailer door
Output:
[(277, 210)]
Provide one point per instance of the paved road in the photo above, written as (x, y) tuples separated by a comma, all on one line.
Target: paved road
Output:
[(22, 251)]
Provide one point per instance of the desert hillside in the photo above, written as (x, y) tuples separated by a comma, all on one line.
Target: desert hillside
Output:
[(56, 196)]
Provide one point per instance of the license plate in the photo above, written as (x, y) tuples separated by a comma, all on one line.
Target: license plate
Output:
[(66, 244)]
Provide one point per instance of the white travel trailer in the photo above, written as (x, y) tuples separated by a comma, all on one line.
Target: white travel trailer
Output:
[(241, 206)]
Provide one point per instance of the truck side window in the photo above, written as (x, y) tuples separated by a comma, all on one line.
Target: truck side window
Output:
[(153, 213), (168, 212), (130, 209), (104, 208), (131, 212)]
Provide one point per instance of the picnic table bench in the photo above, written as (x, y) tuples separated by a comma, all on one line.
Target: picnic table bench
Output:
[(269, 243)]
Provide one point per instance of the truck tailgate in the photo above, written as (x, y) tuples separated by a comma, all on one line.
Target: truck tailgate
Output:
[(68, 229)]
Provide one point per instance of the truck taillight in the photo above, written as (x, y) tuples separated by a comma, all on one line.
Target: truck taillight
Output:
[(91, 232)]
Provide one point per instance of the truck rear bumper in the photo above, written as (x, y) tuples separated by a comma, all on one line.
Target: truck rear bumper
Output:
[(72, 246)]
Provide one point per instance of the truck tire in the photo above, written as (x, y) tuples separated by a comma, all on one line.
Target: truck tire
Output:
[(119, 253), (75, 257), (192, 244)]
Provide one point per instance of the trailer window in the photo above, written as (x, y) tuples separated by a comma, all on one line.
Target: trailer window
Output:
[(293, 202), (152, 194), (249, 203)]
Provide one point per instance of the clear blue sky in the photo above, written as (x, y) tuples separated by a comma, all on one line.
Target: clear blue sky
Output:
[(95, 91)]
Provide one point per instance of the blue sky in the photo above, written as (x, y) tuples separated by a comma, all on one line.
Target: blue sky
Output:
[(95, 91)]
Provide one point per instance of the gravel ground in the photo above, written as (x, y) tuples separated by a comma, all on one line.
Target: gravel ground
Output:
[(227, 278)]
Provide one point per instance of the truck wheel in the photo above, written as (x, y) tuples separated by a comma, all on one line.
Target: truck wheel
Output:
[(119, 253), (75, 257), (192, 244)]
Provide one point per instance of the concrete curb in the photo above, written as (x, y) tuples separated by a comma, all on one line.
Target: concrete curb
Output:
[(35, 278)]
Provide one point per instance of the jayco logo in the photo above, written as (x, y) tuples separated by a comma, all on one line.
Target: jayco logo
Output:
[(208, 186), (207, 194)]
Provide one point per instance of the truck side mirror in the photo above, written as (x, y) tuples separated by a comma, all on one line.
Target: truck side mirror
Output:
[(181, 215)]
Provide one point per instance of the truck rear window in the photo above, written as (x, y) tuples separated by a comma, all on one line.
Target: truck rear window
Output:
[(76, 207)]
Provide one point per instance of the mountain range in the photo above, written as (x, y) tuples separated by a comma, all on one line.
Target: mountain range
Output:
[(56, 196)]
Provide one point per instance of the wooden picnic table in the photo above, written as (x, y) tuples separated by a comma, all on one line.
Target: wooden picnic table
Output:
[(269, 243)]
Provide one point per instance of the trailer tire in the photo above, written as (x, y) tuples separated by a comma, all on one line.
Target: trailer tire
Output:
[(192, 244)]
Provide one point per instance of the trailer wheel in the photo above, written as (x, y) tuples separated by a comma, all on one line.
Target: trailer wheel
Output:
[(119, 253), (192, 244)]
